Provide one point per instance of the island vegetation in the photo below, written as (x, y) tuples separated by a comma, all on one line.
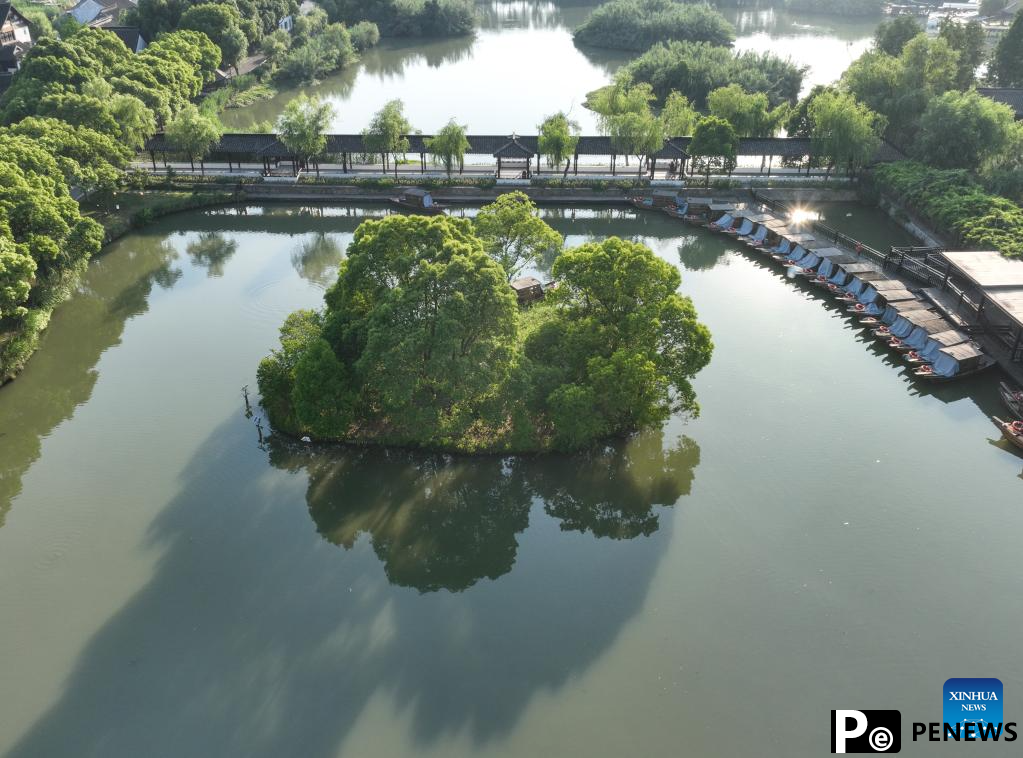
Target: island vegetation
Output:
[(638, 24), (407, 18), (422, 343), (695, 69)]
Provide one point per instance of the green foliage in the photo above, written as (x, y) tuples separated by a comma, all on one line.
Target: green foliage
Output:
[(255, 18), (899, 88), (678, 116), (514, 235), (408, 18), (965, 130), (749, 114), (638, 24), (326, 50), (848, 133), (892, 35), (192, 133), (1007, 63), (558, 138), (302, 125), (618, 99), (970, 42), (448, 146), (422, 343), (222, 24), (797, 123), (696, 68), (955, 203), (386, 133), (714, 144), (365, 35)]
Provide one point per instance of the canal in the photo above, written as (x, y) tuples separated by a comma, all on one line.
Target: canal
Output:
[(177, 581), (522, 66)]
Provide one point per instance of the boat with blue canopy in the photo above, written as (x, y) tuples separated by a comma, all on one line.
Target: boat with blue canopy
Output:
[(935, 344), (956, 362), (919, 336)]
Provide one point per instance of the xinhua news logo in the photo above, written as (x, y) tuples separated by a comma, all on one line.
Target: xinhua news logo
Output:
[(866, 731)]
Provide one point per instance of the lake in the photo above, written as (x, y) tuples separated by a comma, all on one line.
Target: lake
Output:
[(522, 66), (177, 581)]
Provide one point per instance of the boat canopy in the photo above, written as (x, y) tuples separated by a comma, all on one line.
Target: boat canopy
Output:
[(907, 321), (832, 259), (722, 207), (937, 342), (745, 227), (759, 235), (917, 338), (956, 359), (893, 310), (895, 296), (724, 221)]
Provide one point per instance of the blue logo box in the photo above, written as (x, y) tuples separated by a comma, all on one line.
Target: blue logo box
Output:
[(973, 701)]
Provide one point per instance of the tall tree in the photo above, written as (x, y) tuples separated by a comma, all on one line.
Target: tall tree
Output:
[(387, 132), (749, 113), (892, 35), (301, 127), (559, 136), (844, 131), (221, 23), (637, 134), (970, 42), (449, 146), (1007, 64), (965, 130), (193, 134), (715, 142), (514, 235), (678, 116)]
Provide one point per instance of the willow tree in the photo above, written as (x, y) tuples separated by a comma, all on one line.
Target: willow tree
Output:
[(844, 130), (193, 134), (301, 128), (387, 132), (449, 146), (559, 137)]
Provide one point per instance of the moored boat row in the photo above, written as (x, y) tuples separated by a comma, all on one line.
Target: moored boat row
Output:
[(935, 349)]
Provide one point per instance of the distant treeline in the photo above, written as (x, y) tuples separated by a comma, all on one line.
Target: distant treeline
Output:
[(638, 24)]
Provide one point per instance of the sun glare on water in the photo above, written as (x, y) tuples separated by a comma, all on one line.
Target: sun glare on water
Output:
[(801, 215)]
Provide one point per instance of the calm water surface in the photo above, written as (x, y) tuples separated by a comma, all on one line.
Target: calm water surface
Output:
[(828, 534), (522, 66)]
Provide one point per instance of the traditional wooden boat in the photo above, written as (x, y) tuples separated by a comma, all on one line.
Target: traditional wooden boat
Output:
[(418, 200), (717, 211), (844, 274), (830, 259), (1013, 399), (917, 339), (851, 292), (751, 225), (896, 304), (935, 343), (698, 209), (956, 362), (1011, 430), (884, 298), (775, 235), (642, 202), (796, 249), (905, 323), (676, 211)]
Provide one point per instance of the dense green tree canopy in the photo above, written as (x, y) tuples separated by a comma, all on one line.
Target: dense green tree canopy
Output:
[(638, 24), (714, 144), (695, 69), (892, 35), (422, 343), (407, 18), (749, 114), (222, 24), (514, 235), (965, 130), (844, 131), (192, 133)]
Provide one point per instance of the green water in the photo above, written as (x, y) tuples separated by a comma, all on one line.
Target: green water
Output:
[(521, 66), (828, 534)]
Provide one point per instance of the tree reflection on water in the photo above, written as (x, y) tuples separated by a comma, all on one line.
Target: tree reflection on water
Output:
[(440, 522)]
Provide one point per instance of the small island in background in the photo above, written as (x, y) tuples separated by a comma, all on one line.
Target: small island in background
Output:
[(423, 342)]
